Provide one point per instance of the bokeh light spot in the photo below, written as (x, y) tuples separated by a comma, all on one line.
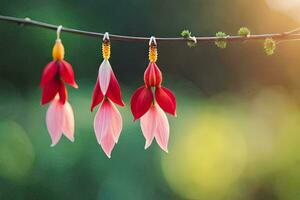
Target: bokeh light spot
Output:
[(207, 159), (16, 151)]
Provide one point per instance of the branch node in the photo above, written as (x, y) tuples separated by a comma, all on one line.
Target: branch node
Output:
[(191, 40)]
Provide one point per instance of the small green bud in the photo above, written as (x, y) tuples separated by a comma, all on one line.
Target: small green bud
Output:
[(186, 33), (191, 41), (244, 31), (221, 42), (269, 46)]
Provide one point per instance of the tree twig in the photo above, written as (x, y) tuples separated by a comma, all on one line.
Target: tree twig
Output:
[(290, 35)]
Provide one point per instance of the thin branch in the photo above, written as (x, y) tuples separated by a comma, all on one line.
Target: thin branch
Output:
[(294, 31), (290, 35)]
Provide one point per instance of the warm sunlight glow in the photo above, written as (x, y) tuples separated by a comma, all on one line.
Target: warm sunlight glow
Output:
[(289, 7)]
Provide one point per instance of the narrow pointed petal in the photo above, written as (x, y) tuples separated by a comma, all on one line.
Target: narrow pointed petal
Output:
[(101, 121), (166, 100), (97, 96), (49, 73), (68, 122), (141, 101), (114, 90), (66, 73), (107, 144), (63, 93), (104, 76), (162, 129), (107, 126), (116, 123), (54, 121), (50, 90), (148, 125)]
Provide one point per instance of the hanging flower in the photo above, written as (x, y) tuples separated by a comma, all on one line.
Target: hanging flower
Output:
[(151, 101), (60, 117), (108, 120)]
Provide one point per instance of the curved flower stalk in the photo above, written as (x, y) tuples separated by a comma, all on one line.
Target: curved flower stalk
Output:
[(151, 101), (108, 120), (60, 117)]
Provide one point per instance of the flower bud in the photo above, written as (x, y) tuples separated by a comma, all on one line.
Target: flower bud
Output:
[(58, 51), (152, 75)]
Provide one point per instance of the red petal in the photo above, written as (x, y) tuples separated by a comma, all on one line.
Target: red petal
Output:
[(166, 100), (49, 73), (50, 90), (152, 75), (141, 101), (66, 73), (63, 93), (114, 91), (97, 96)]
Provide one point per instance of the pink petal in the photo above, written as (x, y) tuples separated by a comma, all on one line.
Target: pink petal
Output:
[(117, 123), (162, 129), (107, 144), (107, 126), (148, 125), (54, 120), (101, 121), (104, 75), (68, 122), (166, 100)]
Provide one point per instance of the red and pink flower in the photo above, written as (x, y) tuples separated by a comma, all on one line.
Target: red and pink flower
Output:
[(150, 102), (60, 117), (108, 120)]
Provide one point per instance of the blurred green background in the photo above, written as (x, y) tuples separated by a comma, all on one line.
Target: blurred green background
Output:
[(237, 134)]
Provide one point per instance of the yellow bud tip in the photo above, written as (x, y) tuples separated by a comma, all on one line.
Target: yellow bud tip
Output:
[(106, 50), (152, 53), (58, 51)]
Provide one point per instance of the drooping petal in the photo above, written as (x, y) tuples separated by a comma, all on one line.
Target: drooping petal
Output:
[(104, 75), (141, 101), (101, 121), (117, 122), (54, 121), (50, 90), (162, 129), (63, 93), (97, 96), (68, 122), (66, 73), (114, 90), (152, 75), (49, 73), (166, 100), (107, 126), (107, 144), (148, 125)]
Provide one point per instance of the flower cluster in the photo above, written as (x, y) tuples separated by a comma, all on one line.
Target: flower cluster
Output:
[(148, 103)]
